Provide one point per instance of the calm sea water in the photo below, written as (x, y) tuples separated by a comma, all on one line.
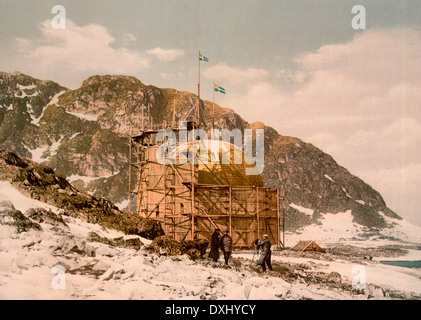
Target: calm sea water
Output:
[(405, 264)]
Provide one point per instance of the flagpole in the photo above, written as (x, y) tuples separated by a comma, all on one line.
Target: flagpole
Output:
[(198, 96), (213, 107)]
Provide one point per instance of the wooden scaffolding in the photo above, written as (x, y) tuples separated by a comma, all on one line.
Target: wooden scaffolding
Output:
[(188, 209)]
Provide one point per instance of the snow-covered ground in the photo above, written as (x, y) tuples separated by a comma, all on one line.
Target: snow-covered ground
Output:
[(20, 202), (43, 265), (84, 116), (340, 227)]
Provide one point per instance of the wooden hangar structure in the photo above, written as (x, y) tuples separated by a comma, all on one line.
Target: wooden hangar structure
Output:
[(193, 199)]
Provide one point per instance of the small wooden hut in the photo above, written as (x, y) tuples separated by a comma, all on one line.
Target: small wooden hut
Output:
[(308, 245)]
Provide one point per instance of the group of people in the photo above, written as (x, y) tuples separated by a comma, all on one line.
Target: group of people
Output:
[(225, 244)]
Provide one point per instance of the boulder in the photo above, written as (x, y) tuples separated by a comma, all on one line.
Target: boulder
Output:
[(7, 204), (165, 245), (12, 159), (76, 245), (12, 217), (198, 244), (130, 223), (132, 243), (334, 278), (42, 215)]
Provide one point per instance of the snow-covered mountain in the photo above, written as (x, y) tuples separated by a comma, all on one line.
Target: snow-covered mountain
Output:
[(83, 135)]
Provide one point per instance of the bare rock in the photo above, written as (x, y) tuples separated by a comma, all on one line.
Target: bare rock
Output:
[(15, 218), (7, 204), (165, 245), (76, 245), (42, 215), (131, 243)]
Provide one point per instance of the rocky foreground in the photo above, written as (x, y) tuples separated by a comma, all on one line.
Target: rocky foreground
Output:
[(47, 254), (59, 243), (42, 183)]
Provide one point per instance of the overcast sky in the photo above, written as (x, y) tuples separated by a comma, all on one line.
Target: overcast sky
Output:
[(298, 66)]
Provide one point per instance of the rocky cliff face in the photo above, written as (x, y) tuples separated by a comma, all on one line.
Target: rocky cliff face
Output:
[(22, 102), (312, 179), (83, 135), (42, 183)]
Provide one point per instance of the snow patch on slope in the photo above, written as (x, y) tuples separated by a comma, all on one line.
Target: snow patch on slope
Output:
[(340, 227), (332, 228), (402, 229), (84, 116), (306, 211), (38, 153), (328, 178), (21, 87), (86, 179), (54, 100), (20, 202)]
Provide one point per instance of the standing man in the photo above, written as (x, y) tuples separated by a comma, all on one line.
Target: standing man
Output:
[(214, 251), (226, 246), (266, 253)]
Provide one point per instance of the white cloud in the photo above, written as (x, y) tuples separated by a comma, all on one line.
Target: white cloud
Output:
[(129, 37), (358, 101), (290, 76), (235, 76), (383, 56), (369, 82), (172, 76), (402, 187), (70, 55), (166, 55)]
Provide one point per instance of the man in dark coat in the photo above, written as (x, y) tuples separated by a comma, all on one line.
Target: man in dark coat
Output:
[(214, 250), (226, 246), (265, 253)]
